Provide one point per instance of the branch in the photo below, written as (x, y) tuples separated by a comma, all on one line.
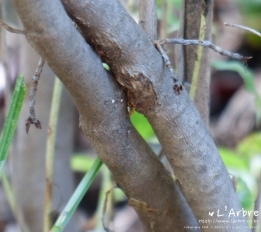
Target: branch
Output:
[(11, 29), (148, 18), (177, 87), (244, 28), (138, 66), (163, 29), (103, 113), (194, 61), (104, 208), (166, 59), (207, 44), (32, 119)]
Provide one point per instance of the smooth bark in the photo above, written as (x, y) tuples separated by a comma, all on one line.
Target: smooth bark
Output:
[(148, 18), (148, 23), (103, 115), (138, 66)]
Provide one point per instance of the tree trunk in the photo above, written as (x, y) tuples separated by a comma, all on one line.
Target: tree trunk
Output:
[(137, 66)]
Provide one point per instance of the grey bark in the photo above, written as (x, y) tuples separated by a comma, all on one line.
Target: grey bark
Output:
[(29, 157), (185, 139), (148, 18), (148, 23), (103, 116)]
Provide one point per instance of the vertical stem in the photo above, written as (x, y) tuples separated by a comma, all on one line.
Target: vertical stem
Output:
[(148, 18), (163, 22), (196, 21), (105, 186), (50, 148), (196, 73)]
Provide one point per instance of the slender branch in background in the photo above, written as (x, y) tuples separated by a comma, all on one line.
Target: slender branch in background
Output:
[(105, 204), (11, 29), (158, 45), (32, 119), (244, 28), (50, 151), (148, 18), (193, 62), (206, 44), (107, 194), (163, 20)]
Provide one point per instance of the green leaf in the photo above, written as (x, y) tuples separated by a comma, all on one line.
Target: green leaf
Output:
[(250, 146), (119, 195), (142, 125), (250, 7), (81, 162), (11, 120), (77, 197), (244, 194), (106, 66), (232, 160)]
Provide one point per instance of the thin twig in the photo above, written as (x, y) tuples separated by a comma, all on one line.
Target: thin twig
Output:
[(158, 45), (50, 152), (11, 29), (32, 119), (205, 44), (244, 28)]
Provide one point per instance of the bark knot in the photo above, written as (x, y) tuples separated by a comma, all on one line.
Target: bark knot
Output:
[(140, 90)]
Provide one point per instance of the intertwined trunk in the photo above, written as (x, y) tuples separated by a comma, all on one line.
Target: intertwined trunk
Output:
[(205, 186)]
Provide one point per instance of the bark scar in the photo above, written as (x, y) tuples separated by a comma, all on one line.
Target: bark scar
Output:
[(140, 90)]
